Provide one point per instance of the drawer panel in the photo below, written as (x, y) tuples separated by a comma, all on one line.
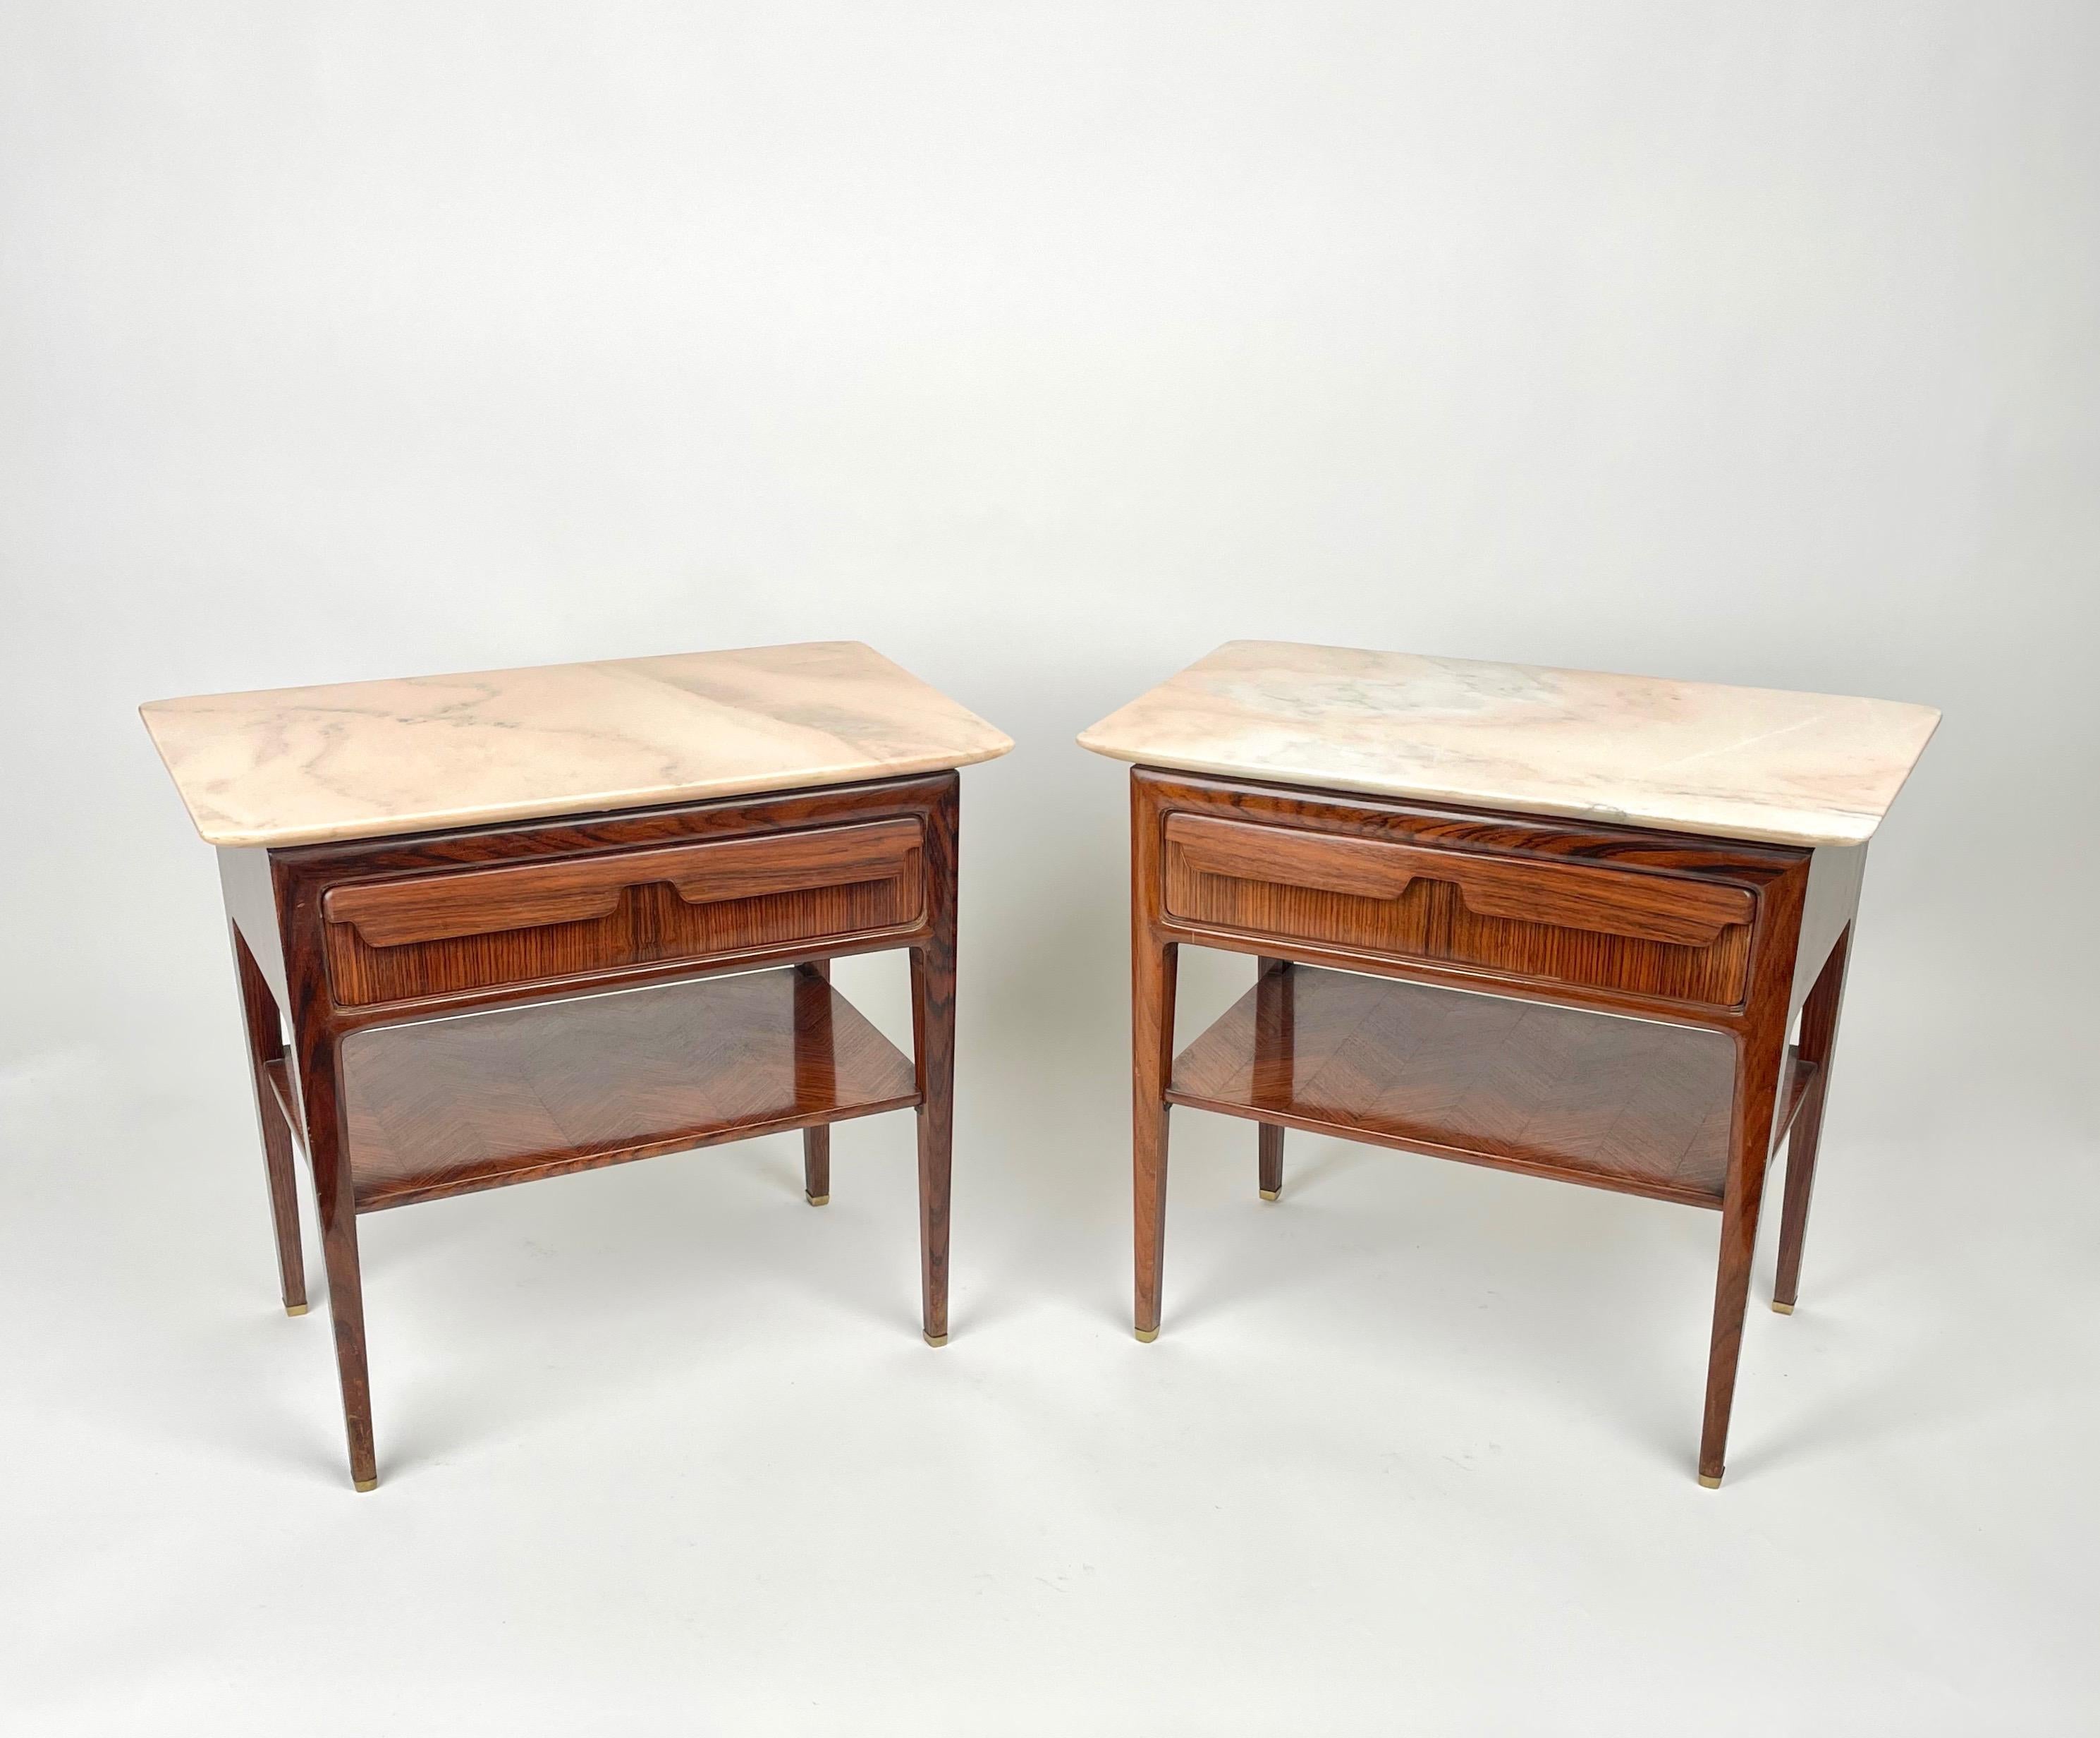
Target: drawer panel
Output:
[(527, 922), (1566, 922)]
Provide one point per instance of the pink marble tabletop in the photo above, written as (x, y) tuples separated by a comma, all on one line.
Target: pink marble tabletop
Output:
[(362, 759), (1691, 757)]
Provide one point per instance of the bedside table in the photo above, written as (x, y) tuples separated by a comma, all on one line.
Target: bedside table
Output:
[(1586, 927), (508, 845)]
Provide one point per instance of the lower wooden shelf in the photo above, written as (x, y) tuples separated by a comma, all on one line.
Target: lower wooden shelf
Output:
[(1619, 1104), (448, 1106)]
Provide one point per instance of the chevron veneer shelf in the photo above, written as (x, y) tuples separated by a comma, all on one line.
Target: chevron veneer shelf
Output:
[(1632, 1105), (503, 1097)]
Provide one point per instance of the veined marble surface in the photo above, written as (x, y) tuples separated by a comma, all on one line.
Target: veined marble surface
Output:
[(1691, 757), (363, 759)]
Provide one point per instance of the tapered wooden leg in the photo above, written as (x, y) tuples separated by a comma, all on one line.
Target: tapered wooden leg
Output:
[(1269, 1146), (1750, 1128), (1819, 1045), (327, 1149), (1154, 966), (817, 1141), (266, 1044), (934, 1001), (1272, 1051), (817, 1164), (934, 1044)]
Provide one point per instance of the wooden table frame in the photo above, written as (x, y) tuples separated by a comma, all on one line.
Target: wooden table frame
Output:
[(1704, 934), (334, 941)]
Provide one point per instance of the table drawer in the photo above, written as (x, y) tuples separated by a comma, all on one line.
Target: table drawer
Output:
[(1583, 923), (467, 929)]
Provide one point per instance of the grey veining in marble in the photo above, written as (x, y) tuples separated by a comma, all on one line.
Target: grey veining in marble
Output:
[(1691, 757)]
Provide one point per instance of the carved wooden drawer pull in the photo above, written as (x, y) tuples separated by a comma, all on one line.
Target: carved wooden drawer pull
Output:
[(1569, 895), (525, 895)]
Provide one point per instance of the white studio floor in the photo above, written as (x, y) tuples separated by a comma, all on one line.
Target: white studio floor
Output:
[(661, 1449)]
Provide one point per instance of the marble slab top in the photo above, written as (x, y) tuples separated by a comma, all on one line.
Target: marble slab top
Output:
[(364, 759), (1690, 757)]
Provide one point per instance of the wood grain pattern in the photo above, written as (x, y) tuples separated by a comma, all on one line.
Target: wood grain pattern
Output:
[(539, 1091), (1754, 1124), (650, 924), (1622, 1104), (1155, 967), (1685, 1105), (265, 1035), (934, 1044), (1570, 896), (817, 1138), (1432, 924), (1532, 838), (277, 1077), (480, 902), (314, 1081), (1275, 1024), (652, 933), (613, 1096), (1417, 921)]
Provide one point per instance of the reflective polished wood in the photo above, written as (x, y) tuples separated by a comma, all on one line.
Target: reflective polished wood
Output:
[(1459, 982), (549, 1088), (1631, 1105), (713, 924)]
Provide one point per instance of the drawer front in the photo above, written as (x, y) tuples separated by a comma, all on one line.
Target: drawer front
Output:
[(528, 923), (1581, 923)]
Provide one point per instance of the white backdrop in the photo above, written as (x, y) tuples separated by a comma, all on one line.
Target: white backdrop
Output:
[(1044, 348)]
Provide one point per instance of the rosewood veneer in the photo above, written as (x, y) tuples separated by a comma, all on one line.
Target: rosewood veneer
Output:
[(1582, 926), (505, 925)]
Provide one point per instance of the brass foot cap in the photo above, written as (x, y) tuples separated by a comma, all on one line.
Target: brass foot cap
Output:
[(366, 1484), (1712, 1483), (295, 1309), (1272, 1195), (936, 1340), (1148, 1335), (817, 1201), (1784, 1309)]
